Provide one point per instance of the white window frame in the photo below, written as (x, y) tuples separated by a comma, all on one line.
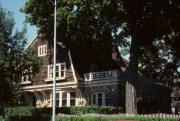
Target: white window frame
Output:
[(96, 98), (68, 98), (57, 99), (42, 50), (59, 77), (25, 79)]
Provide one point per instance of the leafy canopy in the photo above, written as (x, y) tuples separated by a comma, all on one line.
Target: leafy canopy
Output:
[(13, 61)]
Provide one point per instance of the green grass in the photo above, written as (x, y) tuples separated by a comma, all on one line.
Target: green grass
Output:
[(112, 118)]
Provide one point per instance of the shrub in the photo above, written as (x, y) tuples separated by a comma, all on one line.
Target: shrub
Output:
[(95, 109), (1, 118), (31, 111), (25, 114), (19, 111)]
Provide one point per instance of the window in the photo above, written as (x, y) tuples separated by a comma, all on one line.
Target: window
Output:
[(27, 76), (60, 71), (42, 50), (57, 99), (100, 99), (107, 99), (94, 99), (64, 99), (72, 98)]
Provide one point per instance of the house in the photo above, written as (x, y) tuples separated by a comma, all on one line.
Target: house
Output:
[(89, 81)]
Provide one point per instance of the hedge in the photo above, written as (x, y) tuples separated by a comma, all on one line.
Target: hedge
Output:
[(77, 114), (30, 111), (23, 113)]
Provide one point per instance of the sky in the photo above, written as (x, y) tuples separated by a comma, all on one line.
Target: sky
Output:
[(14, 6)]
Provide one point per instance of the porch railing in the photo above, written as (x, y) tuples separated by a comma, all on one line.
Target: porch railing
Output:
[(101, 75)]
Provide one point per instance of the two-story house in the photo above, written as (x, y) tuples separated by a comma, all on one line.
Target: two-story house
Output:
[(82, 82)]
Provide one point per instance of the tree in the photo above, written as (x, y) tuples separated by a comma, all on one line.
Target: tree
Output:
[(93, 25), (159, 63), (82, 26), (148, 21), (13, 61)]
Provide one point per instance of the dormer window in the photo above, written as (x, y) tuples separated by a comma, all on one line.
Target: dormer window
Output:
[(42, 50), (60, 71)]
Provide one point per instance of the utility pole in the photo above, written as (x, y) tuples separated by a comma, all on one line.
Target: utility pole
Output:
[(54, 68)]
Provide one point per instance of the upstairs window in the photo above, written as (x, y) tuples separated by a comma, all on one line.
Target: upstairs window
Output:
[(60, 71), (42, 50)]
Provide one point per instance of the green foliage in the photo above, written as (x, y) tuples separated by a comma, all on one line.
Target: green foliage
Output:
[(159, 63), (83, 26), (93, 27), (95, 109), (19, 111), (111, 118), (30, 111), (82, 118), (26, 114), (13, 62), (139, 118), (1, 118), (44, 114)]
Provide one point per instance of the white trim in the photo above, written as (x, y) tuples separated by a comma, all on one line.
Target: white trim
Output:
[(26, 82), (34, 38), (59, 71), (96, 96), (49, 86), (72, 66), (42, 50), (68, 98)]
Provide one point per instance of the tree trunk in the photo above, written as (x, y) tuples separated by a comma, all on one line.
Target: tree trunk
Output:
[(131, 105)]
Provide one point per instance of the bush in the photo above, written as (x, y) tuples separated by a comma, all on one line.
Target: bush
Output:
[(95, 109), (19, 111), (24, 114), (31, 111), (1, 118)]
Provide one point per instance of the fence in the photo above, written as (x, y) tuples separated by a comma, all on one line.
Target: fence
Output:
[(160, 115)]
